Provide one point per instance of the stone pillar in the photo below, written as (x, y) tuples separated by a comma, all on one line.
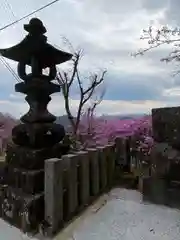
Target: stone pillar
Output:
[(102, 168), (53, 194), (110, 158), (121, 154), (70, 163), (84, 191)]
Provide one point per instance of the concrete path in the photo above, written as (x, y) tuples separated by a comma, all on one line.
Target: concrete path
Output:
[(120, 215)]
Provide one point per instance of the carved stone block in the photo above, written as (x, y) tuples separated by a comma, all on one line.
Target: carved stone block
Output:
[(24, 211), (166, 125)]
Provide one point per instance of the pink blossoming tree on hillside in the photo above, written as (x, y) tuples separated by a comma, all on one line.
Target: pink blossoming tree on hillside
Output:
[(106, 131)]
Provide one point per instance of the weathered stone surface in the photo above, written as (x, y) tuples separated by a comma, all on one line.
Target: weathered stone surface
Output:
[(165, 161), (166, 125), (102, 168), (84, 180), (94, 171), (44, 135), (2, 171), (22, 210), (53, 194), (173, 198), (70, 184), (159, 159), (154, 190), (30, 182), (123, 154), (174, 172), (110, 158), (29, 158)]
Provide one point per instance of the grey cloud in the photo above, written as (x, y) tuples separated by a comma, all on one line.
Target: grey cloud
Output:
[(154, 5), (172, 9), (133, 87), (115, 7), (130, 87), (172, 14)]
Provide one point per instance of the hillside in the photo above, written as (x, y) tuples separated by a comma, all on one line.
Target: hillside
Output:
[(65, 121)]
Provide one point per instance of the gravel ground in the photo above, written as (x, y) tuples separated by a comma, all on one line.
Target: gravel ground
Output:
[(119, 215)]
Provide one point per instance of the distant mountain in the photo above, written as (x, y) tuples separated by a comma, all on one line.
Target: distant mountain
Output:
[(65, 121), (122, 116)]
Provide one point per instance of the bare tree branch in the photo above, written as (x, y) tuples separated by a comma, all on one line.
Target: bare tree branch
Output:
[(66, 80), (97, 101)]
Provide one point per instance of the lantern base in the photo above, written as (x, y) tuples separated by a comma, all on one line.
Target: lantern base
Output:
[(22, 186), (21, 210)]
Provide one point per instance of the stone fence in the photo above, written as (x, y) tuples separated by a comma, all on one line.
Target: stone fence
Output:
[(74, 181)]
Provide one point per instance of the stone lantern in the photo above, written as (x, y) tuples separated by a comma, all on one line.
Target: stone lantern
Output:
[(38, 137)]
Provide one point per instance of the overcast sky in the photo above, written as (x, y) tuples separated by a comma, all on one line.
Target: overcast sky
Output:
[(109, 32)]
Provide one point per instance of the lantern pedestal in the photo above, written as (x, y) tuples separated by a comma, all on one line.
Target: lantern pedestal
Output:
[(22, 194), (20, 209)]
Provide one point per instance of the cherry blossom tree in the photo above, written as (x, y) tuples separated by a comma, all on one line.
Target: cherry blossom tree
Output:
[(157, 37)]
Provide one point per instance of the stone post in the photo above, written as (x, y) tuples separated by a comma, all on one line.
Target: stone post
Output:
[(110, 155), (102, 168), (121, 154), (54, 194), (70, 162), (94, 171), (84, 178)]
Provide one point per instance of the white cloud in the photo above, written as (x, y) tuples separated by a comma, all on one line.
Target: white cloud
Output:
[(172, 92), (108, 32), (18, 107), (126, 107)]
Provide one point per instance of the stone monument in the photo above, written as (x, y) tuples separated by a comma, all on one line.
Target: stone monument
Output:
[(166, 128), (164, 183), (37, 138)]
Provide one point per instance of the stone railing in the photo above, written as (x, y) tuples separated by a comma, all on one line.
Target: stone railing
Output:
[(74, 181), (127, 154)]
